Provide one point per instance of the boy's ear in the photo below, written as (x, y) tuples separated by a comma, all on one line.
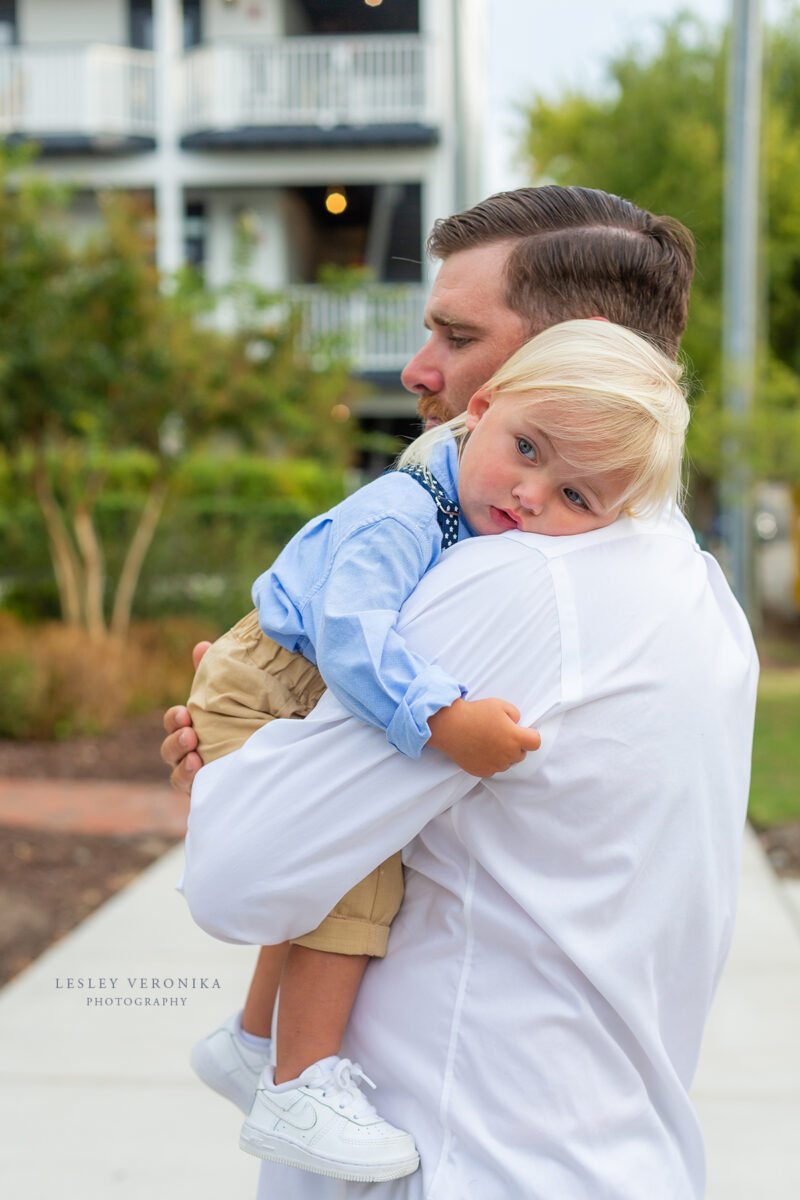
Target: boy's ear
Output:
[(476, 408)]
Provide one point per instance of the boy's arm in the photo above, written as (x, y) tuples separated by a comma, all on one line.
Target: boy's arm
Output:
[(350, 618), (377, 676)]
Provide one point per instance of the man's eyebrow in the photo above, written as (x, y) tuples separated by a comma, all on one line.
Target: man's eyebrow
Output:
[(448, 322)]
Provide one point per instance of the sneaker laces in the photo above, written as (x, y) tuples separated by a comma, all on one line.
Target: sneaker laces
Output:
[(343, 1087)]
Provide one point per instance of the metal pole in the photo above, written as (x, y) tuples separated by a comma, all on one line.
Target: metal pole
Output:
[(459, 122), (740, 280)]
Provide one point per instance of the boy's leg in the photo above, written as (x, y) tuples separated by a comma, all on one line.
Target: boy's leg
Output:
[(310, 1111), (325, 967), (245, 680), (260, 1002), (318, 991)]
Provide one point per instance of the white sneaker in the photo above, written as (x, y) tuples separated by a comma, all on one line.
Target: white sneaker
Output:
[(323, 1122), (228, 1065)]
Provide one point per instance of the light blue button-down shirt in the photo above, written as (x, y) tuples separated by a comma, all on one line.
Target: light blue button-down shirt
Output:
[(334, 594)]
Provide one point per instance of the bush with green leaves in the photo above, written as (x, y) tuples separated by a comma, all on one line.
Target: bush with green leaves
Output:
[(107, 368), (226, 518)]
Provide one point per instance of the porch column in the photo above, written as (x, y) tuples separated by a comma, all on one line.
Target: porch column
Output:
[(168, 191)]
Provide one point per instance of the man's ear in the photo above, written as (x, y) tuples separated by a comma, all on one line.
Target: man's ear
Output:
[(476, 408)]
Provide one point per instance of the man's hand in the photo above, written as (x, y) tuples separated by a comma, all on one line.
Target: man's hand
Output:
[(482, 736), (179, 747)]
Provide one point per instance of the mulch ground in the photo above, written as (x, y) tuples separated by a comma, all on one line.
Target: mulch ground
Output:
[(81, 818), (129, 754), (51, 881)]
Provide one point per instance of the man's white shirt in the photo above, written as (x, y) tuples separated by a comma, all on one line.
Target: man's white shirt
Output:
[(537, 1020)]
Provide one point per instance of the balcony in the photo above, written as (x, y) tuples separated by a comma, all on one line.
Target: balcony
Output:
[(75, 98), (301, 91), (378, 328)]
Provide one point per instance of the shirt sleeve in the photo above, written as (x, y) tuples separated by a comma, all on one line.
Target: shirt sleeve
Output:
[(282, 828), (351, 619)]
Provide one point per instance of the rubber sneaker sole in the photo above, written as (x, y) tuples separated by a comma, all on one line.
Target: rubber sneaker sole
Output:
[(275, 1149)]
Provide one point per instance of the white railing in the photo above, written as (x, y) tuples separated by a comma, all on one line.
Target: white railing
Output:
[(86, 90), (320, 81), (377, 328)]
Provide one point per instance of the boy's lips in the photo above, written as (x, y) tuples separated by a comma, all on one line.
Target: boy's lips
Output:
[(503, 518)]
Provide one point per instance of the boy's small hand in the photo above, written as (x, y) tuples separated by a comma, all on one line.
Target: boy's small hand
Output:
[(482, 736)]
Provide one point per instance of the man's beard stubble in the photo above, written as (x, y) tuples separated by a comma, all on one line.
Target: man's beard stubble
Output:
[(432, 410)]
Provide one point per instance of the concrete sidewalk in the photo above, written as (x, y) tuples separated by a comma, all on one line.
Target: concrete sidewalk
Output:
[(747, 1089), (97, 1101)]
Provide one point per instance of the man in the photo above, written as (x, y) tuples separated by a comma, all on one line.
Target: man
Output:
[(537, 1020), (511, 266)]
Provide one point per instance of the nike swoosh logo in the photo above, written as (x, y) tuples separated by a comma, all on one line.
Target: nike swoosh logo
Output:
[(299, 1116)]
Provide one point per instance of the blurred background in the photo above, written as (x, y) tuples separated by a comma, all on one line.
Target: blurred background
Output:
[(212, 270)]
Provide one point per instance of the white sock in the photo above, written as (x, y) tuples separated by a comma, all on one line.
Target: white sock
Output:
[(251, 1039)]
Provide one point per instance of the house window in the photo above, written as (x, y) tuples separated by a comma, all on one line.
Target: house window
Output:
[(192, 24), (194, 234), (8, 22), (140, 24)]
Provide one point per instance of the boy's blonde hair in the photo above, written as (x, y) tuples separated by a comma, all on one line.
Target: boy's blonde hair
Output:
[(606, 398)]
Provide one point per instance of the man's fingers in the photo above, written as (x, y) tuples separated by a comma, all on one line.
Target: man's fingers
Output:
[(198, 651), (177, 745), (175, 718), (183, 775), (511, 711)]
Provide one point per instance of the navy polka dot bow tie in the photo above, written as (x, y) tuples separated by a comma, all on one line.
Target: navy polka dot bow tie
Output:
[(448, 511)]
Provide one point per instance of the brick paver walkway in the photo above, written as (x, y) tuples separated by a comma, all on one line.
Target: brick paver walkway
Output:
[(93, 806)]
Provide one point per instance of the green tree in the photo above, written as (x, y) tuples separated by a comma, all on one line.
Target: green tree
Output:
[(97, 355), (656, 136)]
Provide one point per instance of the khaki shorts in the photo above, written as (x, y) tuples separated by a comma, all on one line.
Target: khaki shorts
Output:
[(244, 680)]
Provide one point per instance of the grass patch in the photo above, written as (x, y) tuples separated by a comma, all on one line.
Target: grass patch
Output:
[(775, 787)]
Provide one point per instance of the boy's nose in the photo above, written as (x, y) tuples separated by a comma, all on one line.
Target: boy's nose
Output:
[(531, 495)]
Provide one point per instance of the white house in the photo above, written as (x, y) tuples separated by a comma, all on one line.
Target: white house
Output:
[(286, 110)]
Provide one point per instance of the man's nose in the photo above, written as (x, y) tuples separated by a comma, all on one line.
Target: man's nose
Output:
[(422, 375)]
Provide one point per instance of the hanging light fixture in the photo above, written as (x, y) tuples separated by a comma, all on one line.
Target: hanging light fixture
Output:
[(336, 200)]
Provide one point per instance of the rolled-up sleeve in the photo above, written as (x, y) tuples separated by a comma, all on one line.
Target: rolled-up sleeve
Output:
[(337, 600)]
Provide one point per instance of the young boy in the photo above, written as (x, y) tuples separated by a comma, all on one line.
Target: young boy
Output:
[(583, 422)]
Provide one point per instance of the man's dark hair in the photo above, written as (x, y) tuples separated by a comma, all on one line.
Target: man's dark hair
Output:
[(579, 252)]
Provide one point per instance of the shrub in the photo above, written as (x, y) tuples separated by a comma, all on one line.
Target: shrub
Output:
[(58, 682)]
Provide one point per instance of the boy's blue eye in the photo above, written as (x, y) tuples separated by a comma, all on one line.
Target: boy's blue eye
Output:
[(575, 497), (527, 448)]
